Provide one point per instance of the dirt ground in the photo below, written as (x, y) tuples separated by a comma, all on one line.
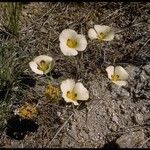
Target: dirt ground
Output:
[(113, 117)]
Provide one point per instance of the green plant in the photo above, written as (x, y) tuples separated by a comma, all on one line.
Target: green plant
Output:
[(10, 69), (11, 15)]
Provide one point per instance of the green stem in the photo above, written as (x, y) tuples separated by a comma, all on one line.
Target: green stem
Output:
[(49, 78)]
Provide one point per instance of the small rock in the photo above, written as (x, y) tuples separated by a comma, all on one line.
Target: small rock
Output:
[(122, 111), (148, 143), (143, 76), (118, 37), (115, 118), (147, 68), (112, 127), (29, 15), (143, 109), (44, 30), (130, 140), (58, 114), (35, 11), (84, 134), (91, 23), (125, 93), (122, 106), (119, 91), (24, 13), (134, 72), (138, 118), (15, 88)]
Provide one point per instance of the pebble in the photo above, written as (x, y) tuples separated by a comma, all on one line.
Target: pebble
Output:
[(112, 127), (58, 114), (138, 118), (147, 68), (125, 93), (143, 109), (115, 118), (24, 13), (29, 15), (118, 37), (131, 140), (44, 30)]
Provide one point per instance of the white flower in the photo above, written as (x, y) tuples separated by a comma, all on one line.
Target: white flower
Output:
[(71, 42), (118, 75), (42, 64), (71, 91), (101, 32)]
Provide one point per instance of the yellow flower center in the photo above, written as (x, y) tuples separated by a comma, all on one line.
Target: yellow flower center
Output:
[(71, 43), (71, 95), (101, 36), (43, 66), (115, 77)]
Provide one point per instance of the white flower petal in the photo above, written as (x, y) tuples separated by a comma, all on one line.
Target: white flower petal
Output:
[(51, 66), (120, 83), (110, 71), (69, 100), (82, 92), (67, 85), (67, 34), (75, 103), (66, 50), (34, 66), (110, 36), (82, 42), (92, 34), (123, 75), (102, 28), (46, 58)]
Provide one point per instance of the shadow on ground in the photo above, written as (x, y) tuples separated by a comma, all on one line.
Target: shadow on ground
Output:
[(17, 128)]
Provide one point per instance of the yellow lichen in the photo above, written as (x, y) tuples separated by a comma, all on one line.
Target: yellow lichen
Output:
[(27, 111), (52, 92)]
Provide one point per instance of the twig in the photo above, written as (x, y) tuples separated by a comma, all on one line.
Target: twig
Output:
[(129, 129), (4, 31), (140, 23), (113, 13), (144, 44), (61, 127), (144, 142), (60, 107), (42, 16)]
